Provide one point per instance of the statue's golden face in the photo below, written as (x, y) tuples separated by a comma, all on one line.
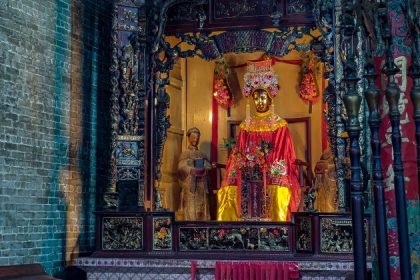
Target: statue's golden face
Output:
[(262, 100)]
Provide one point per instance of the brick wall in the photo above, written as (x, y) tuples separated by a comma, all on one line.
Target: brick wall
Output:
[(54, 127)]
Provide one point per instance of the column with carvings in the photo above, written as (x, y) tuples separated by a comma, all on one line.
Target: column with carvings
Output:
[(341, 138), (127, 103), (324, 15)]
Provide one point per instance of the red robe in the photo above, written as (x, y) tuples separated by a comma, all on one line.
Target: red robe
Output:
[(280, 183)]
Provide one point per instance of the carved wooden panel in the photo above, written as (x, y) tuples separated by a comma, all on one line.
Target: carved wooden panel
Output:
[(239, 14), (298, 7), (162, 233), (122, 233), (230, 237), (304, 233), (223, 9), (336, 235)]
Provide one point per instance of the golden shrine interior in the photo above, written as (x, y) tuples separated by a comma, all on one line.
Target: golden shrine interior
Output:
[(191, 93)]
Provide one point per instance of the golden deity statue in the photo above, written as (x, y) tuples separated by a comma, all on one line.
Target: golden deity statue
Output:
[(261, 181), (193, 170)]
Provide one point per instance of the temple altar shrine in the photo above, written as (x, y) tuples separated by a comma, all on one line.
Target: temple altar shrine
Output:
[(264, 196), (232, 140)]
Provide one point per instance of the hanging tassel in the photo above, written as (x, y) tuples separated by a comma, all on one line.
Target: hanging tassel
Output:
[(273, 115), (239, 194), (193, 269), (248, 114), (265, 192)]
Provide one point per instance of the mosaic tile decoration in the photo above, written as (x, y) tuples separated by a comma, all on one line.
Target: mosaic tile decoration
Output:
[(88, 262)]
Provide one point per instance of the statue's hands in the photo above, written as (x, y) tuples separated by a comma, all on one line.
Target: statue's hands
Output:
[(198, 172)]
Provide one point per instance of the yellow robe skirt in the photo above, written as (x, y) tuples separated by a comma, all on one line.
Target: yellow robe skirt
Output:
[(228, 208)]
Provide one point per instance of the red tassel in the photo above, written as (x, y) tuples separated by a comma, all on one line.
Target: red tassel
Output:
[(223, 271), (280, 271), (235, 270), (228, 271), (273, 271), (247, 272), (293, 270), (239, 194), (217, 271), (266, 214), (193, 269)]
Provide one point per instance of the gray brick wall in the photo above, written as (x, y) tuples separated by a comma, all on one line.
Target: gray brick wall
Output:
[(54, 127)]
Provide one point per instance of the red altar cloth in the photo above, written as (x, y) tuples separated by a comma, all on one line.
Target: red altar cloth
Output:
[(256, 270)]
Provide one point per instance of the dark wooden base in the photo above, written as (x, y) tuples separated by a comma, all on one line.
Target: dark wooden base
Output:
[(157, 235), (154, 243)]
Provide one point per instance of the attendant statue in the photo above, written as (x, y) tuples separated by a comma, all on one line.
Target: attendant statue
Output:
[(193, 170), (261, 181), (325, 184)]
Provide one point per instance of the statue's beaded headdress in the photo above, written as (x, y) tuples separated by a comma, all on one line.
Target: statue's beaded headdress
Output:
[(260, 74)]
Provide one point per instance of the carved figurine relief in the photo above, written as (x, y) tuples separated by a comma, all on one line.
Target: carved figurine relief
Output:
[(129, 87)]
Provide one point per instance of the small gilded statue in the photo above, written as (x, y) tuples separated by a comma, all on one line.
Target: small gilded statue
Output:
[(193, 170)]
